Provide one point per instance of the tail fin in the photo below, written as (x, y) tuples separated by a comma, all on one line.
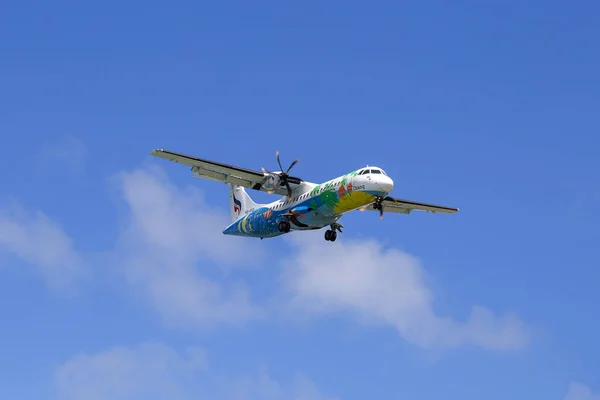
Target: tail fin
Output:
[(239, 202)]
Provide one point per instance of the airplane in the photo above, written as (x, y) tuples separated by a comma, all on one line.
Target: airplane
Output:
[(303, 205)]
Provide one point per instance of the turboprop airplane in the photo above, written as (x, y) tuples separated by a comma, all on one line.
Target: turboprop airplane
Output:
[(304, 205)]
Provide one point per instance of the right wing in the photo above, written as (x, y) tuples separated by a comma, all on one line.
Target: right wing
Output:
[(391, 204), (219, 172)]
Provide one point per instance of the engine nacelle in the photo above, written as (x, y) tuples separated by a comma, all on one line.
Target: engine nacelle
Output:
[(272, 181)]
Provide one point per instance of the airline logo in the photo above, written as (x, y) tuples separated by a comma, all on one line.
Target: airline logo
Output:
[(237, 205)]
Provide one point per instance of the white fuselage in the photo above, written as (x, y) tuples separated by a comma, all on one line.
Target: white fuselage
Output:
[(314, 206)]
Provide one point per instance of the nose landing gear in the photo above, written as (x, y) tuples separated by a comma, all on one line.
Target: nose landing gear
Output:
[(378, 206)]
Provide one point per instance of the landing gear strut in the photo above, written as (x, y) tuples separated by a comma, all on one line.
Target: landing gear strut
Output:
[(284, 226), (377, 206)]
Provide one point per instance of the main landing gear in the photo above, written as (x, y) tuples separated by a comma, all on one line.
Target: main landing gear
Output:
[(331, 234), (284, 226)]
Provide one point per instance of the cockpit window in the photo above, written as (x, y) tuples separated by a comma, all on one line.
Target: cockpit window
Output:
[(371, 171)]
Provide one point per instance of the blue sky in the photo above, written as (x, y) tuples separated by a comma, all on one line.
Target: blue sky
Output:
[(115, 279)]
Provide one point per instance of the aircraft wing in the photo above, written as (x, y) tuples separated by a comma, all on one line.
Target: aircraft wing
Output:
[(220, 172), (393, 205)]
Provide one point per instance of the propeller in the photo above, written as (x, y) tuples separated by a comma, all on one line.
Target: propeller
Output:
[(283, 176)]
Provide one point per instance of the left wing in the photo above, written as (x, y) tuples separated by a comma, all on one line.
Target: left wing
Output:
[(219, 172), (391, 204)]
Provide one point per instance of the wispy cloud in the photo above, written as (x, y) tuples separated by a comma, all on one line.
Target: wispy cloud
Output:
[(261, 386), (171, 246), (154, 370), (386, 286), (578, 391), (164, 249), (39, 241), (168, 249)]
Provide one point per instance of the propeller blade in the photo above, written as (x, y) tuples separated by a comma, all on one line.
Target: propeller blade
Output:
[(289, 189), (278, 161), (294, 163)]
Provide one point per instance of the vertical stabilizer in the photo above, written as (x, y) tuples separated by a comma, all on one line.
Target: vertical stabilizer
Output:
[(239, 202)]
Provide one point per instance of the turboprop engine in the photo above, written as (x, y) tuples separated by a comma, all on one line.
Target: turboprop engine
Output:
[(275, 180)]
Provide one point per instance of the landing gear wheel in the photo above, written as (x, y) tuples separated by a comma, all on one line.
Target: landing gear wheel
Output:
[(377, 204), (330, 235), (284, 226)]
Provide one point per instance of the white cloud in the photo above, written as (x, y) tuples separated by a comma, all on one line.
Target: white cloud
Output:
[(172, 240), (41, 242), (578, 391), (168, 250), (156, 371), (263, 387), (172, 235), (386, 286), (149, 371)]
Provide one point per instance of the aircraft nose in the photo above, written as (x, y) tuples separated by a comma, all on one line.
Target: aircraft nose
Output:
[(386, 184)]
